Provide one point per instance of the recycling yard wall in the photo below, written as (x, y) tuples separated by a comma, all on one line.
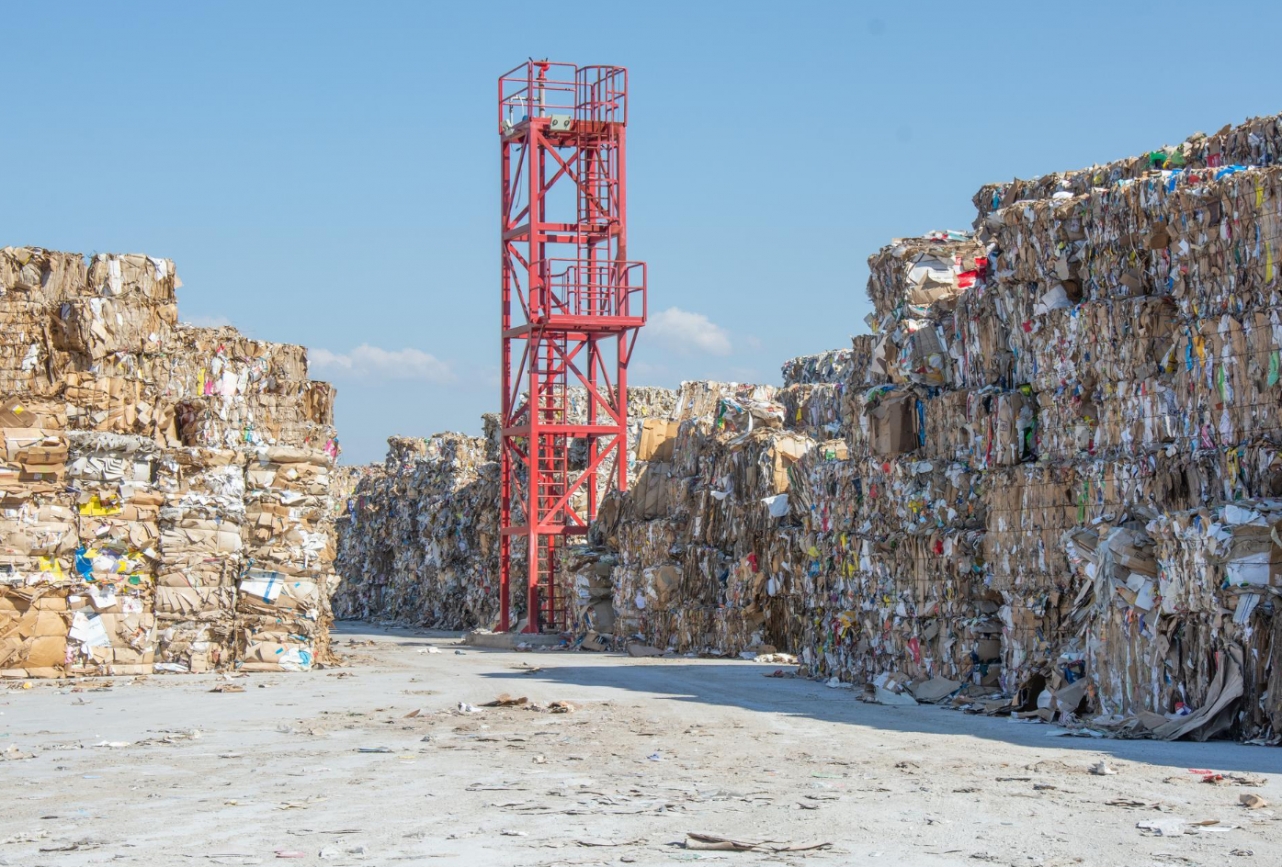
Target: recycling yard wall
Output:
[(418, 538), (1051, 471), (165, 489)]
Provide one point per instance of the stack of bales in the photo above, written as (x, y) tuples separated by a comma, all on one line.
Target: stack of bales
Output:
[(1049, 472), (1052, 473), (418, 541), (127, 440)]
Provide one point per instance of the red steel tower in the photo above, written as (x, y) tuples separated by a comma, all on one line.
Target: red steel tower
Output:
[(571, 307)]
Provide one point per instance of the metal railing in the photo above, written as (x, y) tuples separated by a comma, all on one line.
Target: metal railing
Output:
[(541, 88), (579, 287)]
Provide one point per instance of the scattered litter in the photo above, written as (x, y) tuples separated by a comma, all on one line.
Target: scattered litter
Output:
[(506, 700), (880, 695), (712, 842), (1215, 778), (1252, 801), (1172, 827), (1247, 780), (934, 690), (1103, 769), (76, 846), (1075, 733)]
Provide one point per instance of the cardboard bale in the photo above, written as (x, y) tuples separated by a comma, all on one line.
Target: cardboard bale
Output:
[(658, 437), (825, 368), (111, 494), (921, 272), (34, 622), (893, 424)]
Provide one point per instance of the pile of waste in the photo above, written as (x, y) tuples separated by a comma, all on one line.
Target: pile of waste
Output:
[(164, 488), (1047, 484), (418, 538)]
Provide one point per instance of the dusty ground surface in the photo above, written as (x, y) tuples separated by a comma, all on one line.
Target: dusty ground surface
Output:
[(374, 764)]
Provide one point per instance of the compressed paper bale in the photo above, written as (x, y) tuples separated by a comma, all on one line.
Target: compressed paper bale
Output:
[(827, 368), (133, 276), (1255, 142), (33, 631), (41, 275), (118, 511), (921, 272)]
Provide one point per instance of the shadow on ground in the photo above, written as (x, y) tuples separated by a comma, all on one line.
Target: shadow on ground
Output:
[(744, 685)]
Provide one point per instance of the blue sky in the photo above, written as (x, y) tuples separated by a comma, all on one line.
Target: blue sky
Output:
[(327, 173)]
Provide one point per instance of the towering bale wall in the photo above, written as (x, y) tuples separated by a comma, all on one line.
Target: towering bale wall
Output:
[(164, 488), (1049, 474)]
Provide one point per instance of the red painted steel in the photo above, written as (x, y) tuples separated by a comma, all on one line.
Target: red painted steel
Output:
[(571, 307)]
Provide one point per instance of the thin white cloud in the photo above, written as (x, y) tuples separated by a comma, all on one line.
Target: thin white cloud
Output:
[(686, 332), (372, 362)]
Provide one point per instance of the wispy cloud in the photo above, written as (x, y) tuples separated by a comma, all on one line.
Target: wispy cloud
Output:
[(686, 332), (372, 362)]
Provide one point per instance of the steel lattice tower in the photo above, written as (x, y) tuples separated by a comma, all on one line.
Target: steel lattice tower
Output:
[(571, 307)]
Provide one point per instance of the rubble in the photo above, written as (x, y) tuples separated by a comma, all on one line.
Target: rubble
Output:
[(131, 543)]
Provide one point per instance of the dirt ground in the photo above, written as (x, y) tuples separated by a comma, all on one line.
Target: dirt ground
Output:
[(375, 764)]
